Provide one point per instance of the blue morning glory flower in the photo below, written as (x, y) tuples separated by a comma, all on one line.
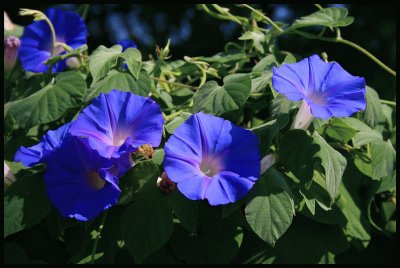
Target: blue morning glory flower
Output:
[(127, 43), (326, 88), (36, 41), (79, 182), (119, 122), (40, 152), (211, 158)]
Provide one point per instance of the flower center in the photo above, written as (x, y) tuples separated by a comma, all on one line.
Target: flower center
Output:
[(210, 166), (94, 180), (119, 138), (318, 98)]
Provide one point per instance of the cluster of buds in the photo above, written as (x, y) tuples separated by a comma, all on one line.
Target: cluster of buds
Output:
[(145, 150), (165, 184)]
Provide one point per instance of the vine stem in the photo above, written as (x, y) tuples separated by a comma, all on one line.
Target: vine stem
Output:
[(346, 42), (94, 249), (388, 102), (173, 83), (263, 16)]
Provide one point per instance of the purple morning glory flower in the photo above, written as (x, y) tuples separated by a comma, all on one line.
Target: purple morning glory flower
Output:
[(36, 41), (40, 152), (211, 158), (119, 122), (127, 43), (326, 88), (79, 182)]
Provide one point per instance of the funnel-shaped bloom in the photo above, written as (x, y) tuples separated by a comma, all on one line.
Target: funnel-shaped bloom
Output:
[(36, 41), (326, 88), (40, 152), (79, 182), (11, 45), (211, 158), (119, 122)]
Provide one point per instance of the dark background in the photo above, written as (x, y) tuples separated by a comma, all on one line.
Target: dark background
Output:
[(195, 33)]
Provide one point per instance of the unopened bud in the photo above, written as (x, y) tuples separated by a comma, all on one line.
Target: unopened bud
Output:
[(73, 63), (37, 15), (8, 25), (9, 177), (266, 162), (146, 150), (11, 45), (165, 184)]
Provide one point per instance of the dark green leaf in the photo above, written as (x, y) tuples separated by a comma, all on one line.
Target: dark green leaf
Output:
[(215, 99), (271, 209), (266, 132), (147, 224), (218, 239), (135, 178), (25, 203), (186, 210), (49, 103), (281, 105)]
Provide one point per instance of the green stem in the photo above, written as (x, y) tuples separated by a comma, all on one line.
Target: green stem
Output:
[(94, 249), (53, 36), (85, 11), (346, 42), (388, 102), (176, 108), (174, 83), (263, 16)]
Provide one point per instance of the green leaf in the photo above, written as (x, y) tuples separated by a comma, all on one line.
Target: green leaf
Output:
[(147, 224), (266, 132), (332, 16), (133, 59), (358, 234), (333, 163), (387, 183), (383, 159), (257, 37), (374, 112), (270, 211), (298, 152), (176, 122), (114, 80), (186, 210), (265, 64), (281, 105), (217, 241), (339, 130), (49, 103), (158, 156), (135, 178), (215, 99), (103, 59), (364, 137), (14, 254), (25, 203)]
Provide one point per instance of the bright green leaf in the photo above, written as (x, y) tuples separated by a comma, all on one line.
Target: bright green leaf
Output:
[(133, 59), (332, 16), (102, 60)]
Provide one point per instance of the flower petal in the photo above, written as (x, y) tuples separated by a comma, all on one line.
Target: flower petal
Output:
[(69, 185)]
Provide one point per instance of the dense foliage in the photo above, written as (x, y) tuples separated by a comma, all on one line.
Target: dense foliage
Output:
[(326, 192)]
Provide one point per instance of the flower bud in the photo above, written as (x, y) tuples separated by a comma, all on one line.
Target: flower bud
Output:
[(266, 162), (73, 63), (165, 184), (8, 25), (11, 45), (9, 177)]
